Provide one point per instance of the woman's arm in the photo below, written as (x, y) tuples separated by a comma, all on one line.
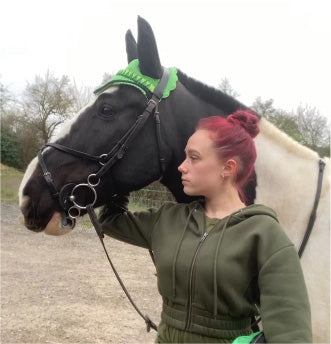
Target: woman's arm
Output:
[(285, 308), (133, 228)]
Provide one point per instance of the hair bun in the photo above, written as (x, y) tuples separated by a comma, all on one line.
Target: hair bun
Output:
[(247, 119)]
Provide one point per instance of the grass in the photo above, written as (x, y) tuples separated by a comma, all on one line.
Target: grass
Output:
[(10, 182)]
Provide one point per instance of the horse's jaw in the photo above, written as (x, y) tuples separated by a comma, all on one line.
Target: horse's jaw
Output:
[(55, 227)]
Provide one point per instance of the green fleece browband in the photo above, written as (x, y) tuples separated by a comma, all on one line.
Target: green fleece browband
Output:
[(132, 76)]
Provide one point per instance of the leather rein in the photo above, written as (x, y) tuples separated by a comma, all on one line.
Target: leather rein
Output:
[(67, 195), (72, 208)]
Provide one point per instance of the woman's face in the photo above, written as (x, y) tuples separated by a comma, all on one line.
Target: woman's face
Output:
[(202, 169)]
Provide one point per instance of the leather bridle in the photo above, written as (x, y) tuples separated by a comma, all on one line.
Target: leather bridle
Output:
[(72, 208), (67, 195)]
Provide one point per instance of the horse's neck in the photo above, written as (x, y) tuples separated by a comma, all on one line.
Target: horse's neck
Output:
[(181, 115), (287, 175)]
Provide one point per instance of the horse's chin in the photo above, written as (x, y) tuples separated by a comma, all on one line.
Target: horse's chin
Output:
[(54, 226)]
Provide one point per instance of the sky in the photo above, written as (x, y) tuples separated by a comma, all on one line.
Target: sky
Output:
[(278, 49)]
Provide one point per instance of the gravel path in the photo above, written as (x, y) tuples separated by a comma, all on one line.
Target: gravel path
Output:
[(61, 289)]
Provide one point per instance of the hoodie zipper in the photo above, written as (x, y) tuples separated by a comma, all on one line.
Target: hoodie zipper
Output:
[(190, 285)]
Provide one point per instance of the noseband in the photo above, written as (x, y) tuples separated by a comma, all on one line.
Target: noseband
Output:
[(67, 195)]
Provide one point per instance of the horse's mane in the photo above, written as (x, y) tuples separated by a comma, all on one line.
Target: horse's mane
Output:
[(281, 138), (210, 94), (229, 104)]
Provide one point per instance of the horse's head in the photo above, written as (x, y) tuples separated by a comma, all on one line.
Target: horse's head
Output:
[(99, 147)]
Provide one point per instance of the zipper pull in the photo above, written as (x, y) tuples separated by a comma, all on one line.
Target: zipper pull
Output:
[(204, 237)]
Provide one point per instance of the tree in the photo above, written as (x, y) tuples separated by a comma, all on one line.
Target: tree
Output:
[(9, 149), (313, 127), (226, 88), (106, 76), (264, 108), (9, 142), (82, 96), (47, 103), (306, 125), (280, 118), (6, 98)]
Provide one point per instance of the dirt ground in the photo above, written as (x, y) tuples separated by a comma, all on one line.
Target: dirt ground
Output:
[(61, 289)]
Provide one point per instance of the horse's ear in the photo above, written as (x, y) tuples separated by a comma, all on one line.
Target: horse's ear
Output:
[(131, 46), (149, 61)]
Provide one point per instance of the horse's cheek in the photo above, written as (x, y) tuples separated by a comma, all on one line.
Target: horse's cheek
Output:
[(54, 226)]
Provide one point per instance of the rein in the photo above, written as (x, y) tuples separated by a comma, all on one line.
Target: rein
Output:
[(93, 217), (67, 195), (312, 217)]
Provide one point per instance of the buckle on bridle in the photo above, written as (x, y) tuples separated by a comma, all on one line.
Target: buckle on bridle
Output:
[(103, 158), (92, 181)]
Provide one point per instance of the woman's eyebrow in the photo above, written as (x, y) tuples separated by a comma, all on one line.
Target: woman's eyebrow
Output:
[(191, 151)]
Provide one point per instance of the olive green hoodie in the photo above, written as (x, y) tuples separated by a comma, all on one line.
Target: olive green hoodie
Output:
[(213, 282)]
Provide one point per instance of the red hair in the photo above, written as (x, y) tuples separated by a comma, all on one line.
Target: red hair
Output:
[(233, 138)]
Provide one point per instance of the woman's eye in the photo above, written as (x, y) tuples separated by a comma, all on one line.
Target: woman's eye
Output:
[(106, 110)]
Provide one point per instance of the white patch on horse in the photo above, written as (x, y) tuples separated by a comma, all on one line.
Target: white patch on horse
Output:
[(287, 175), (27, 175), (112, 89)]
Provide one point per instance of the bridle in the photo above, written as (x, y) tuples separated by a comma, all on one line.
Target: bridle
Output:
[(72, 208), (67, 195)]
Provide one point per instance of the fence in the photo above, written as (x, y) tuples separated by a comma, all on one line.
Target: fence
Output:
[(151, 196)]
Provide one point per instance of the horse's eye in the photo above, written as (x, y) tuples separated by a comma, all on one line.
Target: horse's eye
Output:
[(105, 110)]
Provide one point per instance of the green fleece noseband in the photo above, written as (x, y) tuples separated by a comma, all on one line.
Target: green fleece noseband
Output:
[(132, 76)]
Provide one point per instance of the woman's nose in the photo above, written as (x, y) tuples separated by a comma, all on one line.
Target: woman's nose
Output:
[(181, 167)]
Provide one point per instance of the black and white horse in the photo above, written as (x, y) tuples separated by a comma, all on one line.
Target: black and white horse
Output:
[(286, 172)]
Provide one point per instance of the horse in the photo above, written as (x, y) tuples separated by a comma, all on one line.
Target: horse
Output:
[(124, 139)]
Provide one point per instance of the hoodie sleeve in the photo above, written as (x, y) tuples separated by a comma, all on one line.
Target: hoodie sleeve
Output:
[(284, 303), (133, 228)]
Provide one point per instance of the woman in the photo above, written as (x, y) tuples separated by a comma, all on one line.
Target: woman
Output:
[(219, 262)]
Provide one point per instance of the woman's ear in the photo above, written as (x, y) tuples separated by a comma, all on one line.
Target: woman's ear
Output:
[(230, 168)]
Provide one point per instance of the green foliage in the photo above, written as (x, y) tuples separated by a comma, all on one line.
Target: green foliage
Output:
[(314, 129), (9, 149), (306, 125), (30, 120)]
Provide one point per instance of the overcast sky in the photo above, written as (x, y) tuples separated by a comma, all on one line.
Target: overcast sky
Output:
[(277, 49)]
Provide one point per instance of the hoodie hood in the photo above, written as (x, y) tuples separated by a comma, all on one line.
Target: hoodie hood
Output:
[(242, 214)]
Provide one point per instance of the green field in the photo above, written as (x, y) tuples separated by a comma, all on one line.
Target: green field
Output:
[(10, 182)]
